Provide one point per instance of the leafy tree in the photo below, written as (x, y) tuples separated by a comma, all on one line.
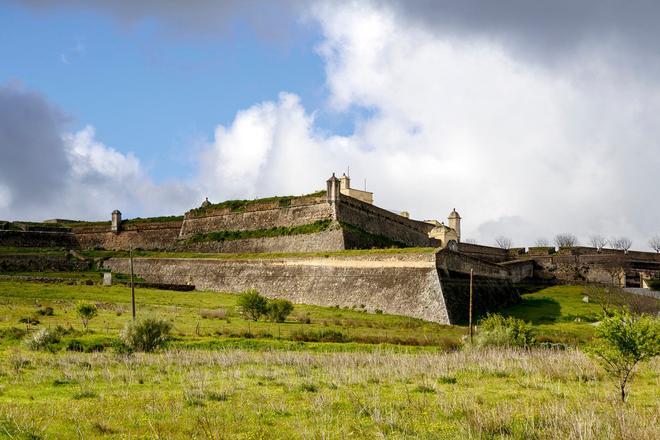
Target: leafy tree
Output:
[(623, 340), (279, 309), (87, 312), (252, 304), (147, 335)]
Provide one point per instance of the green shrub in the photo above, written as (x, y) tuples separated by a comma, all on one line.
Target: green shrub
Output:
[(252, 305), (32, 320), (46, 339), (86, 312), (319, 336), (146, 335), (498, 331), (12, 333), (46, 311), (655, 284), (622, 341), (279, 310)]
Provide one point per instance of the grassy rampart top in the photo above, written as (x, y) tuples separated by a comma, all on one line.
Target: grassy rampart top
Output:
[(230, 206), (258, 256)]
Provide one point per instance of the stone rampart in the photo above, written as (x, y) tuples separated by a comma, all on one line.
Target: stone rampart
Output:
[(488, 253), (408, 284), (41, 263), (325, 241), (404, 284), (138, 235), (257, 215), (382, 222), (38, 239)]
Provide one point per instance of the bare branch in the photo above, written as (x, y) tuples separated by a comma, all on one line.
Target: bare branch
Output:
[(654, 242), (598, 241), (541, 242), (503, 242), (621, 243), (566, 240)]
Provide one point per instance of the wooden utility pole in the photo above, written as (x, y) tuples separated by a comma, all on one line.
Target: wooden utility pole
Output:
[(130, 257), (470, 312)]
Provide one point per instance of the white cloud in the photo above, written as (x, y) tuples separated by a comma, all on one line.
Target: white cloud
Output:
[(517, 148), (520, 148)]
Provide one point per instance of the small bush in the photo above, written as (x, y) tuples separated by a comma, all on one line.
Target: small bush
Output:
[(319, 336), (75, 345), (29, 320), (12, 333), (498, 331), (45, 339), (146, 335), (86, 312), (213, 314), (252, 305), (46, 311), (279, 310)]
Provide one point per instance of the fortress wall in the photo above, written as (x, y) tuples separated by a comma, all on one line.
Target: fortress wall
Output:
[(330, 240), (378, 221), (258, 216), (38, 239), (488, 253), (142, 235), (41, 263), (403, 284)]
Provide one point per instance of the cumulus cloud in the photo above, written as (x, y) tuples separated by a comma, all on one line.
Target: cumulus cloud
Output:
[(519, 150), (48, 172), (529, 120), (33, 163)]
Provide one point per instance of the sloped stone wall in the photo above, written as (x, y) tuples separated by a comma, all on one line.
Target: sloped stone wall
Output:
[(258, 215), (38, 239), (143, 235), (405, 284), (378, 221)]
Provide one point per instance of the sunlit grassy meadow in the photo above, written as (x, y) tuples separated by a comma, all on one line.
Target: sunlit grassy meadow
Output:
[(225, 377)]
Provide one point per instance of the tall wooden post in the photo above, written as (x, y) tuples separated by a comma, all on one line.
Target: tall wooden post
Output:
[(130, 257), (470, 313)]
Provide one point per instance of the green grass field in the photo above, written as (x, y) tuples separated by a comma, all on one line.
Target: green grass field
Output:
[(225, 377)]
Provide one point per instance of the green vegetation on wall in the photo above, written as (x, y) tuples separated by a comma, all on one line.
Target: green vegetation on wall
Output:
[(239, 205), (311, 228)]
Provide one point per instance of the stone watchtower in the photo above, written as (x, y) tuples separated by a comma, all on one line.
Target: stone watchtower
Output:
[(455, 222), (116, 221), (333, 189)]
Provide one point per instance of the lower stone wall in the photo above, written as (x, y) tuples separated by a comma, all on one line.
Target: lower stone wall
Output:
[(326, 241), (488, 253), (147, 236), (404, 284), (38, 239), (42, 263), (408, 284)]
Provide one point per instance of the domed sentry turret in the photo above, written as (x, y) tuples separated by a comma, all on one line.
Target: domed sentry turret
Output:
[(206, 203), (455, 222)]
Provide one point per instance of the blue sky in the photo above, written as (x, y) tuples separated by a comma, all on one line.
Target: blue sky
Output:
[(153, 93), (529, 118)]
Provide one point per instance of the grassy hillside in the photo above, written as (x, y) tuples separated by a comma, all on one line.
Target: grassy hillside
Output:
[(225, 377)]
